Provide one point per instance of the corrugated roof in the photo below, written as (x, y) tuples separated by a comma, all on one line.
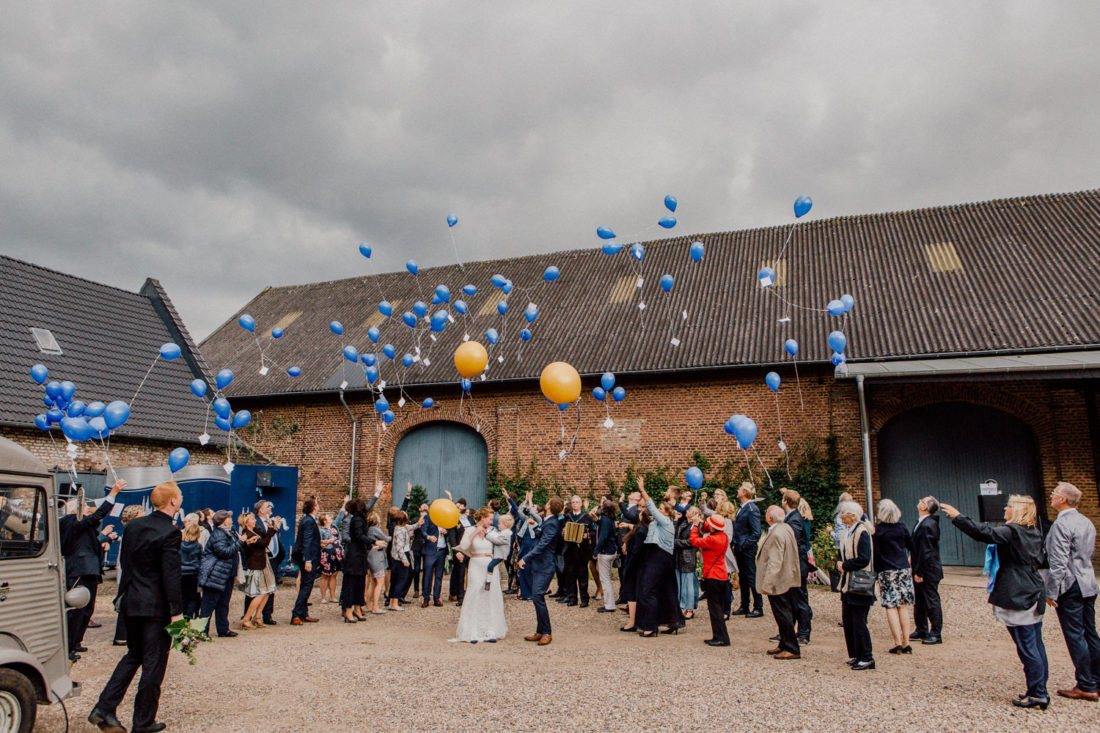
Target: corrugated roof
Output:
[(1029, 281), (108, 339)]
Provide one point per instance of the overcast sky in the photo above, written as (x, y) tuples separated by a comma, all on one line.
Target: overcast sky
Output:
[(223, 147)]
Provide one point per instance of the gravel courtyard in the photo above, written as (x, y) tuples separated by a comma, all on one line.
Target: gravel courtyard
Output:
[(398, 672)]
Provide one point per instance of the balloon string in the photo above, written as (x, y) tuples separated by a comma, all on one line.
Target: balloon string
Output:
[(778, 417), (783, 249), (566, 452), (789, 304), (142, 384), (455, 245), (752, 479), (561, 424), (802, 405), (757, 454), (107, 457)]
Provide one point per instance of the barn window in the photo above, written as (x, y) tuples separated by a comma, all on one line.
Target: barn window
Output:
[(47, 344)]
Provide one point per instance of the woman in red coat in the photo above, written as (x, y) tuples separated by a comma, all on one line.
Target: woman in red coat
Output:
[(712, 540)]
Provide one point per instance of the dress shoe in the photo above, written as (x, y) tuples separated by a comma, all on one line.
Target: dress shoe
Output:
[(310, 620), (860, 666), (437, 603), (452, 599), (73, 656), (1078, 694), (571, 603), (269, 622), (296, 622), (740, 612), (755, 614), (105, 721), (896, 649), (774, 638), (851, 662), (1032, 702), (918, 635), (803, 640), (116, 642), (154, 728), (584, 604), (81, 649), (94, 624), (932, 639), (773, 652), (533, 637), (424, 604), (546, 639), (787, 655), (601, 609), (716, 642), (228, 635)]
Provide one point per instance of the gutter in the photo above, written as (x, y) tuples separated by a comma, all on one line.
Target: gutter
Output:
[(865, 430), (354, 444)]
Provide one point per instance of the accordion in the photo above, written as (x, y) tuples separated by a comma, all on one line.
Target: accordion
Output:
[(573, 532)]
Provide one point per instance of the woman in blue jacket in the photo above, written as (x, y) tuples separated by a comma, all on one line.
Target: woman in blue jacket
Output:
[(218, 572)]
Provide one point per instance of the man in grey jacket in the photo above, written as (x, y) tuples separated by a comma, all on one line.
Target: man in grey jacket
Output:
[(1071, 588)]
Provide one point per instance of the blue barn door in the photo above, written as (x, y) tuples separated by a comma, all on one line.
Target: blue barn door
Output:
[(442, 456)]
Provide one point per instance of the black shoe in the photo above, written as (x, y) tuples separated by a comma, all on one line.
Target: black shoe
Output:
[(267, 622), (104, 720), (740, 612), (774, 638), (671, 630), (584, 604), (803, 640), (918, 635), (896, 649), (716, 642), (851, 662), (860, 666), (228, 635), (627, 629), (932, 639), (571, 602), (601, 609), (80, 649), (509, 592), (560, 599), (1032, 702), (116, 642), (73, 656), (755, 614), (459, 604), (154, 728), (907, 649)]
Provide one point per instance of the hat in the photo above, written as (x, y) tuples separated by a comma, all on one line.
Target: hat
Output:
[(716, 523), (220, 516)]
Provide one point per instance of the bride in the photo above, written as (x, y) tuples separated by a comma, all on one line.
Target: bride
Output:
[(482, 616)]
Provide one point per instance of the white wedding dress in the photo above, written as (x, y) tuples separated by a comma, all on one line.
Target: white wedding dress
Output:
[(482, 616)]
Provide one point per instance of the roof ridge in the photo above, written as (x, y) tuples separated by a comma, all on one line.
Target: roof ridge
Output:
[(68, 276)]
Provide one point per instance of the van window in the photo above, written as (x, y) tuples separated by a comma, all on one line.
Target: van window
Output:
[(23, 525)]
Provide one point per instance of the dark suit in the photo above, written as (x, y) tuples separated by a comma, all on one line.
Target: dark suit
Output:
[(458, 567), (802, 612), (434, 559), (746, 536), (541, 561), (927, 611), (576, 555), (83, 564), (309, 545), (149, 595)]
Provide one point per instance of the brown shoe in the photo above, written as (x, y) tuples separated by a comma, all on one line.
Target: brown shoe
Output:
[(424, 604), (437, 603), (787, 655), (1076, 694), (310, 620), (546, 639), (452, 599), (533, 637), (296, 622), (775, 651), (258, 624)]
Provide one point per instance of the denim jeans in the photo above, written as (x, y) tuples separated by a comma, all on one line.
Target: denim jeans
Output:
[(1029, 646), (1077, 615)]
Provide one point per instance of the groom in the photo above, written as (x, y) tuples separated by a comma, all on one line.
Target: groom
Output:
[(541, 559)]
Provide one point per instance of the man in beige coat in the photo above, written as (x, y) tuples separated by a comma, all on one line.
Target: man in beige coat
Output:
[(777, 574)]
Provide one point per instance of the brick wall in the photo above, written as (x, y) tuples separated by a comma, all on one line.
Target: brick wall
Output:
[(125, 452)]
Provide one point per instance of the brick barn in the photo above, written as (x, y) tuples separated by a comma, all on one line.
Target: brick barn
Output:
[(103, 339), (973, 357)]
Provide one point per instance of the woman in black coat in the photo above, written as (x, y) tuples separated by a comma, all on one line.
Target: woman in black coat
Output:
[(856, 554), (1017, 587), (218, 572), (355, 564)]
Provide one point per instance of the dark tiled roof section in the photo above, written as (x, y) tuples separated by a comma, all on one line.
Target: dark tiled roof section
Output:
[(108, 338), (1029, 281)]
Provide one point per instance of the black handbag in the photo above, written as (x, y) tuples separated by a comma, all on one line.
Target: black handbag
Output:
[(862, 582)]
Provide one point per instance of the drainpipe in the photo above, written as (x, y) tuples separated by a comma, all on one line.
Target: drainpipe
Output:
[(354, 441), (865, 429)]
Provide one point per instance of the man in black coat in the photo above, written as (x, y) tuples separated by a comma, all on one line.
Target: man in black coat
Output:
[(803, 613), (927, 573), (459, 562), (746, 537), (149, 597), (84, 562), (307, 549)]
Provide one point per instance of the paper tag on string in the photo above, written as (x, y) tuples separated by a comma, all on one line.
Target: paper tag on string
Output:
[(482, 377), (766, 281), (433, 337), (562, 454), (684, 316), (263, 371), (641, 306), (675, 342), (382, 385), (204, 438), (782, 446), (416, 358), (465, 337), (427, 362), (640, 281), (228, 466), (500, 359), (785, 319), (450, 318), (609, 423), (401, 402), (344, 384)]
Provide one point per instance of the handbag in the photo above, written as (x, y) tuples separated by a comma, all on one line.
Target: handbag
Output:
[(862, 582)]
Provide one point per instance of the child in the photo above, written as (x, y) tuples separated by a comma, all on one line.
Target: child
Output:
[(501, 540), (190, 557)]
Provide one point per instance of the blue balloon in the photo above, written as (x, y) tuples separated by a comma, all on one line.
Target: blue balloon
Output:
[(564, 406), (612, 248), (671, 202), (371, 374), (389, 351), (374, 334), (492, 335), (39, 373), (694, 478), (388, 417), (47, 402), (451, 220), (99, 427), (605, 233), (460, 306), (470, 289), (224, 377), (412, 267), (551, 274), (766, 276), (409, 319), (407, 360), (607, 381), (637, 251), (696, 251), (443, 293), (336, 327), (364, 249), (466, 384), (802, 205), (53, 390), (667, 222), (498, 280), (294, 371), (436, 300), (837, 359), (221, 407), (838, 342), (68, 389), (428, 402), (95, 409), (599, 394), (247, 322), (502, 307), (835, 308), (178, 458), (116, 414), (744, 429), (791, 346), (420, 308), (531, 312), (75, 429), (772, 380), (385, 308), (54, 415), (369, 358), (76, 408), (619, 394), (41, 422), (506, 287), (223, 423), (439, 321), (667, 282), (351, 353), (381, 405), (848, 302), (525, 334), (276, 333)]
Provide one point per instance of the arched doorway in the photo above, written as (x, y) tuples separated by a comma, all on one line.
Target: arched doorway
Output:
[(947, 450), (442, 456)]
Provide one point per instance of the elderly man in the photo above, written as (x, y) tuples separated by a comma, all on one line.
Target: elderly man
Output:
[(574, 574), (803, 614), (1071, 588), (927, 573), (778, 577)]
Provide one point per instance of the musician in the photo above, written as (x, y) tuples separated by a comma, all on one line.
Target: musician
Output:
[(577, 551)]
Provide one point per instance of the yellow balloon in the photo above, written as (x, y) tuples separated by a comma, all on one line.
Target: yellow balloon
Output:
[(560, 383), (470, 359), (444, 513)]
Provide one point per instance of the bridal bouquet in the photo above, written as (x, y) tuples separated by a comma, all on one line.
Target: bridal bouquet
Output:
[(188, 634)]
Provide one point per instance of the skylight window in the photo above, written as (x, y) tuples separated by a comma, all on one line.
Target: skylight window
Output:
[(47, 344)]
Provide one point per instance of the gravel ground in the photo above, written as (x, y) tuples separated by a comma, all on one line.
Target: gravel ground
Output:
[(398, 672)]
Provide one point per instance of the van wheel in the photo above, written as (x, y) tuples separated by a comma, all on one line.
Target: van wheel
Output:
[(17, 703)]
